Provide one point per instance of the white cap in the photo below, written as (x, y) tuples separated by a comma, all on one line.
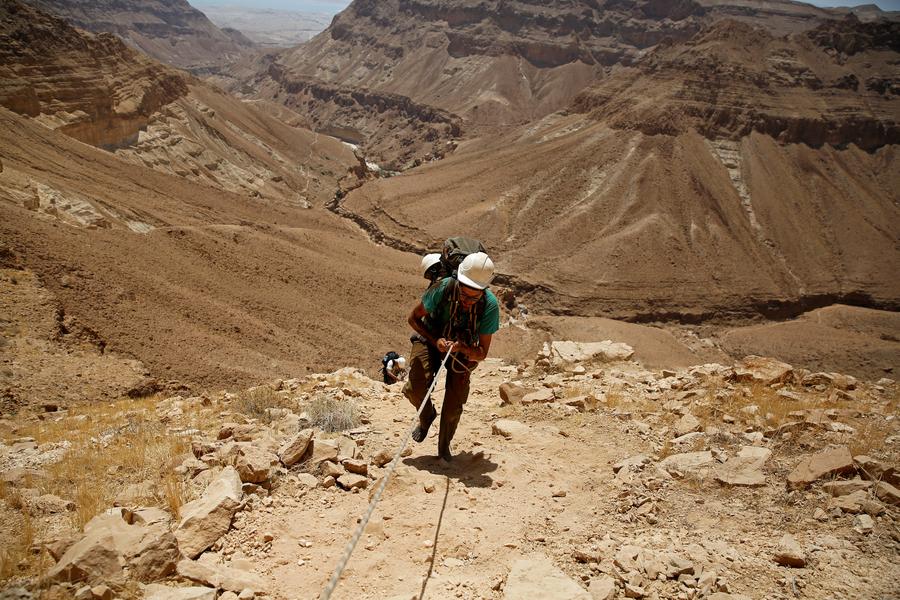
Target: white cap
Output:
[(476, 271), (402, 362), (429, 260)]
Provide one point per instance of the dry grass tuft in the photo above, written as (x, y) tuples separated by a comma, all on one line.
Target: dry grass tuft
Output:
[(256, 402), (17, 550), (614, 398), (870, 436), (110, 447), (331, 413)]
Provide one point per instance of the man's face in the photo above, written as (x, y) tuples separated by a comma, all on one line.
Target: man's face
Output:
[(469, 296)]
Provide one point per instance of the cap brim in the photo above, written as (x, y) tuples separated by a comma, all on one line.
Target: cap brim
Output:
[(468, 282)]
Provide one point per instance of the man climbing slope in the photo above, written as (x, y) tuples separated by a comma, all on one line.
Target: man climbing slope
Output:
[(459, 314)]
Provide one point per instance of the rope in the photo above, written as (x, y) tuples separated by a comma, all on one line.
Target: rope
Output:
[(348, 550)]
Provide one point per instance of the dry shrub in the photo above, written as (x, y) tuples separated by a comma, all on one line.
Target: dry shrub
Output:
[(332, 413), (256, 402), (174, 492)]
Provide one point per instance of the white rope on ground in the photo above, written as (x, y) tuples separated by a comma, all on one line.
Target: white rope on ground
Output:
[(345, 558)]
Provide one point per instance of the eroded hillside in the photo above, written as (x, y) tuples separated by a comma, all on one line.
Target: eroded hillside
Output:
[(700, 184), (171, 31)]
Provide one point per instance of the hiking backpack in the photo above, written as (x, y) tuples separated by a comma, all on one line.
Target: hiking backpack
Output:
[(455, 250), (388, 358)]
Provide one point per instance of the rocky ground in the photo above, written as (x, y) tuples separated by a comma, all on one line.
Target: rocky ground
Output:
[(580, 474)]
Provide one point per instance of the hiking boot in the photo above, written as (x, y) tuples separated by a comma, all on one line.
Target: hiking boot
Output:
[(421, 431)]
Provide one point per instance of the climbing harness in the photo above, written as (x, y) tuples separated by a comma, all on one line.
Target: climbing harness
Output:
[(342, 563)]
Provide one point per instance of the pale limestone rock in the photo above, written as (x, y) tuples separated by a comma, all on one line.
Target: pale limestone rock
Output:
[(348, 481), (329, 469), (346, 449), (307, 480), (566, 352), (537, 577), (509, 428), (828, 462), (356, 465), (602, 587), (208, 518), (887, 493), (626, 558), (789, 552), (292, 451), (512, 393), (579, 403), (382, 458), (253, 464), (322, 450), (835, 380), (156, 591), (634, 463), (687, 424), (687, 462), (744, 469), (539, 396), (863, 524), (220, 576), (842, 488), (877, 470), (760, 369)]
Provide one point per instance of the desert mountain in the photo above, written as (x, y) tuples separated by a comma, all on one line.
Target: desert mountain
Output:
[(195, 231), (171, 31), (488, 64), (735, 173)]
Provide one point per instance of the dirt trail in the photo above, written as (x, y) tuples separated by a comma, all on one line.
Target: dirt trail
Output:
[(491, 504)]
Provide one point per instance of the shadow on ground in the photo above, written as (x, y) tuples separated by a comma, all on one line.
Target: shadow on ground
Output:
[(470, 469)]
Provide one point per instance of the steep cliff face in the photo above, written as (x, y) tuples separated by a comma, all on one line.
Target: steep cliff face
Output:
[(836, 84), (94, 89), (171, 31), (491, 63)]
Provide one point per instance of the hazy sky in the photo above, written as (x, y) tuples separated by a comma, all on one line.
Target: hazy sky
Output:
[(332, 7)]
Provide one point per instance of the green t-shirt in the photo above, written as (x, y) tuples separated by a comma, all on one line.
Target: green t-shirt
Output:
[(488, 321)]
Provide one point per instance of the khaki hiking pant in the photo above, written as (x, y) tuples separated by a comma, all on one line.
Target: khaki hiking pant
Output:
[(424, 362)]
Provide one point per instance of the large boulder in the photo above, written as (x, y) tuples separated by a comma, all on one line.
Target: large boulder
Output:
[(208, 518), (139, 540), (537, 578), (566, 352), (833, 461)]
